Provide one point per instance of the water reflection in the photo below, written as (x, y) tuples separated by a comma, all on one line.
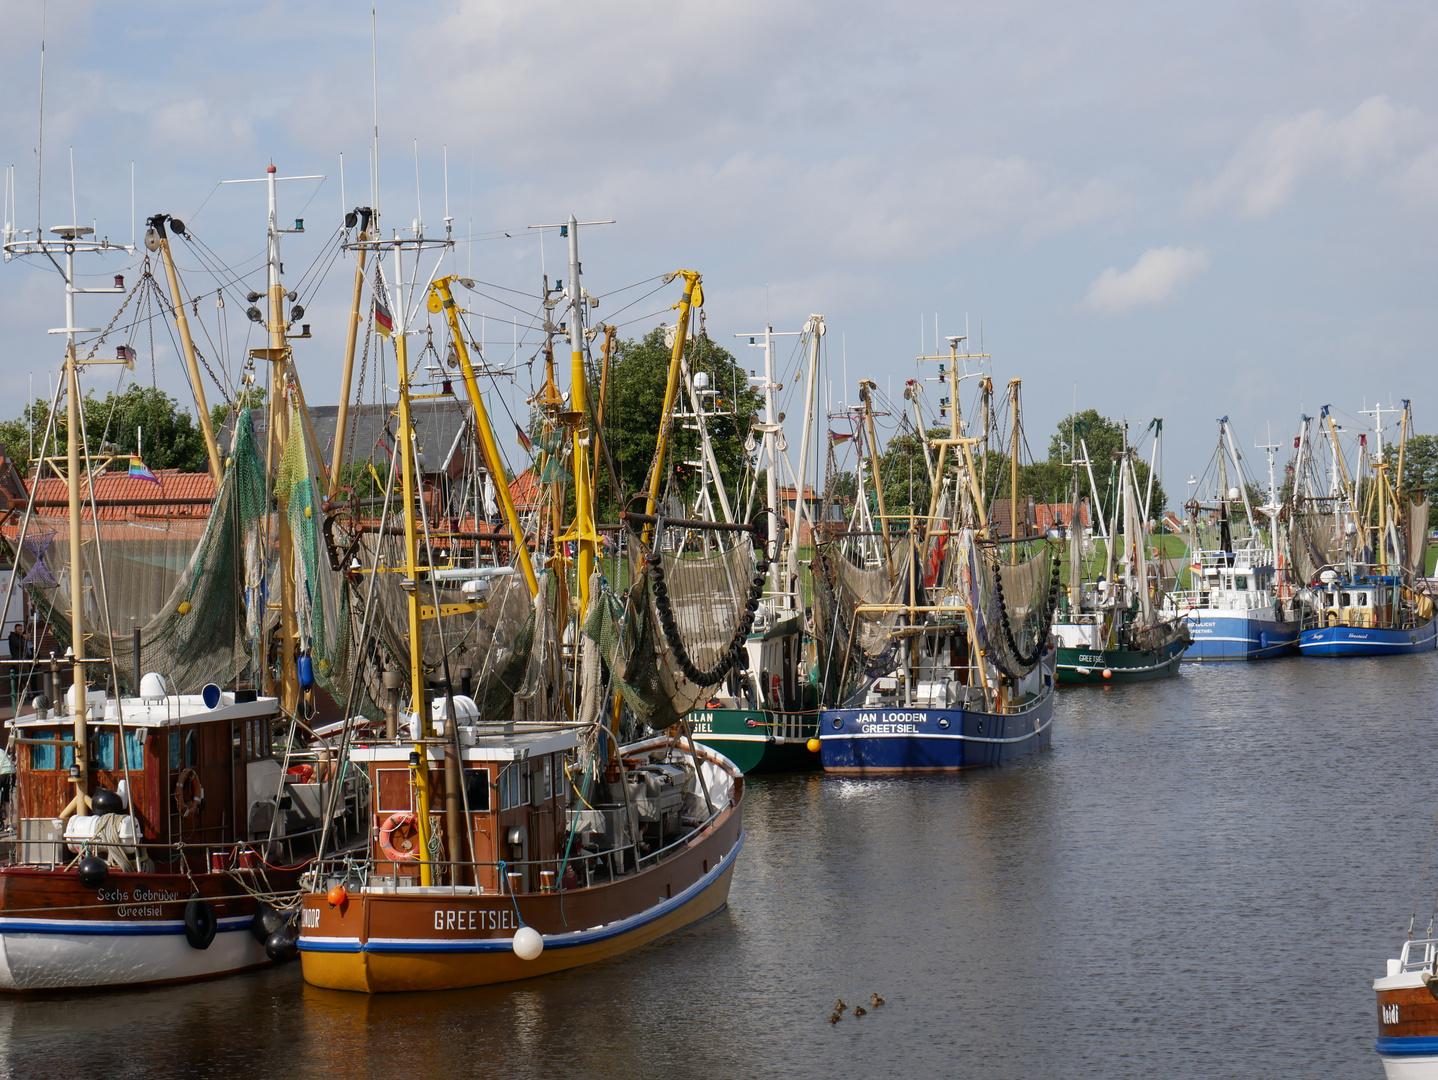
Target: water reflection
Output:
[(1123, 905)]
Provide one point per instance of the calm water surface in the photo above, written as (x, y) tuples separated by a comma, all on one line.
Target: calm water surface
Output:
[(1200, 879)]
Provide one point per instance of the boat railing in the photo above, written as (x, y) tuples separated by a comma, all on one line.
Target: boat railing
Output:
[(345, 868), (1418, 954), (237, 855)]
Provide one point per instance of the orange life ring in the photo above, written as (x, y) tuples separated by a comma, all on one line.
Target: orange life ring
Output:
[(190, 804), (404, 819)]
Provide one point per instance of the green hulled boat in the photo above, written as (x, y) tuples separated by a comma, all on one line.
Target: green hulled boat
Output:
[(1113, 630)]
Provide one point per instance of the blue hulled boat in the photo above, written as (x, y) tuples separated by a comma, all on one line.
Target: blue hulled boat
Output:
[(884, 736), (1369, 616), (941, 657), (1234, 611)]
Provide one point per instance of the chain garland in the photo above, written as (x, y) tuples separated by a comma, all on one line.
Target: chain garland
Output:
[(1027, 661)]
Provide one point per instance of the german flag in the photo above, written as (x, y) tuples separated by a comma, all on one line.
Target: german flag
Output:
[(383, 322)]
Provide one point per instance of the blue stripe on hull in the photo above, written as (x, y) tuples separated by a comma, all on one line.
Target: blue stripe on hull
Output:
[(1238, 637), (1367, 641), (927, 740), (1407, 1045)]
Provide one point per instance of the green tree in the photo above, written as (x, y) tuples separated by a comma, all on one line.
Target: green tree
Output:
[(1420, 463), (253, 396), (639, 372), (1105, 441), (171, 440)]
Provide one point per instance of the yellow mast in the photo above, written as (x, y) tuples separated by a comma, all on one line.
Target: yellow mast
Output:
[(411, 568), (693, 297), (865, 386), (441, 299), (187, 343), (342, 421)]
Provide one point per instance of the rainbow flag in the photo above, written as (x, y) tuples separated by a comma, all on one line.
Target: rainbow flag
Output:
[(138, 471)]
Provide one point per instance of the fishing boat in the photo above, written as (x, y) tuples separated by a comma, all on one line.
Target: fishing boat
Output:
[(156, 836), (1408, 1012), (1113, 629), (1240, 603), (510, 839), (1373, 600), (942, 657), (764, 718)]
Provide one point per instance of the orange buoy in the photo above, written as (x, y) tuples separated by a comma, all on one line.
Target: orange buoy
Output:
[(1108, 673), (812, 746), (338, 895)]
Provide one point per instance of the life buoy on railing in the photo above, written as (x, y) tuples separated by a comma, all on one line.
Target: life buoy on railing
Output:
[(404, 820), (189, 793)]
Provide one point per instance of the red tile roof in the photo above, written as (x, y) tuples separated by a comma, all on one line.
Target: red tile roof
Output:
[(148, 499)]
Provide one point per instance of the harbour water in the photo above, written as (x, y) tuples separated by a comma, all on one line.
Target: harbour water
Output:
[(1200, 879)]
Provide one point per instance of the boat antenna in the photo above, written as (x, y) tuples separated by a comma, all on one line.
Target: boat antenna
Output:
[(40, 149), (374, 70), (74, 212)]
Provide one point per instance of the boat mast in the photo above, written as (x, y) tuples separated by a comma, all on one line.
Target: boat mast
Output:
[(363, 215), (866, 387), (489, 446), (278, 354), (1014, 475), (187, 343), (587, 538), (815, 329), (693, 297)]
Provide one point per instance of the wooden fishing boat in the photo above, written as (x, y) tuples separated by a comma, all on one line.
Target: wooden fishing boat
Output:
[(515, 836), (1408, 1012), (154, 831), (655, 855)]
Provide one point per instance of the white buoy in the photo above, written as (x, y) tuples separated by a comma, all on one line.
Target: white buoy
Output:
[(527, 943)]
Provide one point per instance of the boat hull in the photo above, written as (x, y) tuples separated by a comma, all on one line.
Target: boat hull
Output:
[(443, 939), (1079, 667), (758, 741), (1242, 635), (1408, 1032), (894, 740), (55, 934), (1367, 640)]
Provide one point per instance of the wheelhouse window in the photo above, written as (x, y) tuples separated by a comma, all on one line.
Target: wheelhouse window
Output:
[(513, 786), (102, 749), (1345, 599), (548, 777), (476, 789), (1241, 582), (45, 757)]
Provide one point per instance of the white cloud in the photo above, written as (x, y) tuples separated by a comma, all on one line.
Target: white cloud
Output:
[(1156, 277), (1264, 172)]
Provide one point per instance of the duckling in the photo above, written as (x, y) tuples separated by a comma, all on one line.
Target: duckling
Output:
[(859, 1010), (839, 1005), (833, 1018), (875, 1001)]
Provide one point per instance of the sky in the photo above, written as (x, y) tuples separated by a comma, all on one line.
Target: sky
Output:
[(1181, 211)]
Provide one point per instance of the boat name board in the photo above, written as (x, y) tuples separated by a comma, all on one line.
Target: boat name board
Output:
[(475, 919), (142, 903), (1390, 1014), (893, 723)]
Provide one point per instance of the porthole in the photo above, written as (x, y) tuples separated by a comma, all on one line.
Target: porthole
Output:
[(981, 727), (943, 723), (838, 723)]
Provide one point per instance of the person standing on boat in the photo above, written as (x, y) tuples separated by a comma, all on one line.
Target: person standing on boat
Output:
[(17, 652)]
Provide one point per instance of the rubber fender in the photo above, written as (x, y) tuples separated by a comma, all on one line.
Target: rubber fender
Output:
[(266, 921), (200, 922)]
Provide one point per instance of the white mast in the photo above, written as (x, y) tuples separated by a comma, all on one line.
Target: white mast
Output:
[(815, 329)]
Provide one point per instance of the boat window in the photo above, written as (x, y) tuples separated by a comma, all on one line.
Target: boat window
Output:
[(249, 740), (174, 749), (548, 777), (476, 789), (513, 786), (1344, 599), (102, 749), (192, 747), (1363, 599), (43, 757), (1241, 582), (134, 749)]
